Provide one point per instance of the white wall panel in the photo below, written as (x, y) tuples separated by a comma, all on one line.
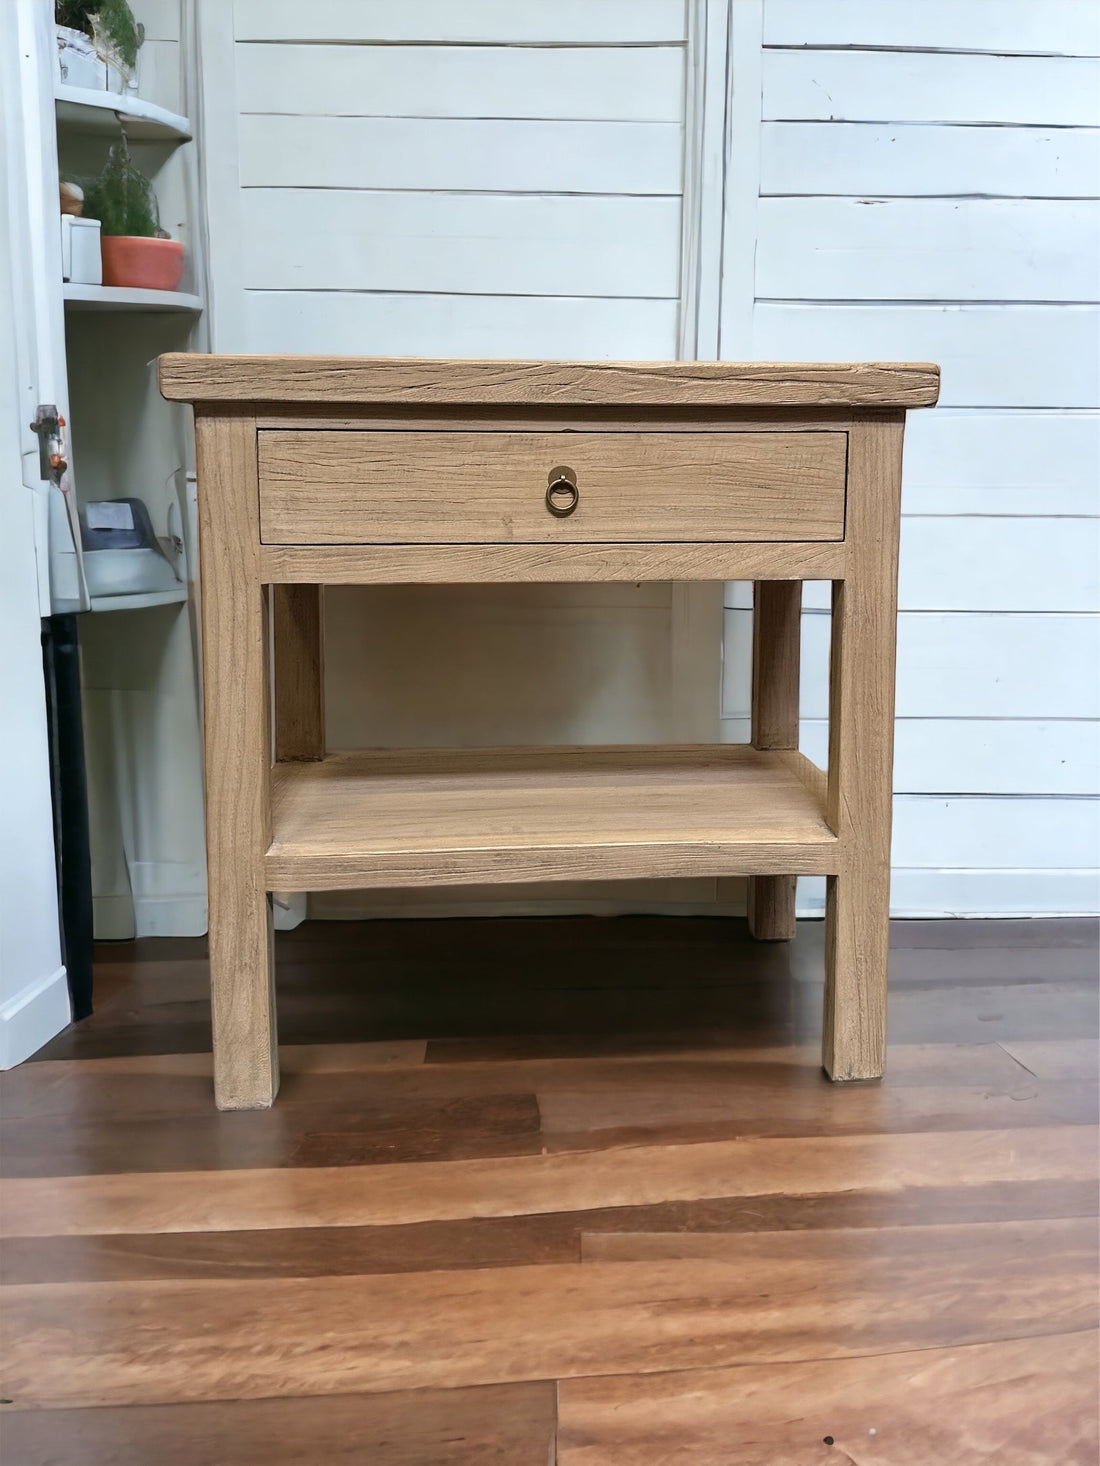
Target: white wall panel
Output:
[(959, 462), (991, 833), (957, 665), (978, 756), (334, 239), (925, 893), (1002, 666), (928, 249), (459, 154), (907, 86), (501, 22), (459, 325), (1055, 27), (161, 18), (159, 75), (635, 84), (983, 563), (429, 660), (991, 355), (952, 563), (939, 845), (889, 160)]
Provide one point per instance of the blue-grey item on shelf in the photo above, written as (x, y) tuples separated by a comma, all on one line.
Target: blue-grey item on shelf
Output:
[(122, 555)]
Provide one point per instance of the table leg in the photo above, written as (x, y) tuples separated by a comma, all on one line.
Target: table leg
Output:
[(299, 612), (237, 714), (776, 632), (861, 740)]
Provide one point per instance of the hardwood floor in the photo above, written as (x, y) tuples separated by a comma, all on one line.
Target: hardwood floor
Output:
[(562, 1191)]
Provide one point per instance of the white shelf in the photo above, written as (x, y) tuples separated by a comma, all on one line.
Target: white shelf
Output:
[(81, 109), (139, 602), (122, 298)]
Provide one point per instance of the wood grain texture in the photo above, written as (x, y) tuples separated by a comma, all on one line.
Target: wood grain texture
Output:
[(470, 564), (191, 377), (261, 1199), (133, 1124), (973, 1405), (462, 1243), (916, 1258), (861, 758), (337, 1076), (237, 747), (299, 630), (340, 488), (356, 821), (777, 1297), (519, 417), (455, 816), (776, 656), (496, 1425)]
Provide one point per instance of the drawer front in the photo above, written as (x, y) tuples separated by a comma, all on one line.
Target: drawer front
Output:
[(333, 487)]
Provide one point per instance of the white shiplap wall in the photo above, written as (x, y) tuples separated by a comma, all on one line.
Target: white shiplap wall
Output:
[(901, 180), (927, 190), (475, 179), (484, 179)]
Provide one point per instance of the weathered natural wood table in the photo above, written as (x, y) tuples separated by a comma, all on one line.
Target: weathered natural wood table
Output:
[(330, 470)]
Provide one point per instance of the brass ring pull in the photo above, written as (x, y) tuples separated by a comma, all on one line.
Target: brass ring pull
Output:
[(562, 494)]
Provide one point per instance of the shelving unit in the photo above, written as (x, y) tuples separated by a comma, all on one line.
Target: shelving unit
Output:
[(82, 110), (124, 298), (138, 650)]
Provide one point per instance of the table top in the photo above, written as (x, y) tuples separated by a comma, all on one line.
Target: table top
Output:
[(326, 380)]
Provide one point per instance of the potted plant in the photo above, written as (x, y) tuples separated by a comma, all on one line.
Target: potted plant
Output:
[(136, 250), (98, 42)]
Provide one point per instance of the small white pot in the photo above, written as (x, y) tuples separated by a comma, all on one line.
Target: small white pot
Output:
[(82, 64), (79, 63)]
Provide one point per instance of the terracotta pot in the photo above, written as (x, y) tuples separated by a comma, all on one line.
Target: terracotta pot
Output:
[(141, 264)]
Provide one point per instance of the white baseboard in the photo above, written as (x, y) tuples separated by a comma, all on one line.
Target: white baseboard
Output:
[(33, 1017), (992, 893), (113, 918), (936, 894), (171, 916)]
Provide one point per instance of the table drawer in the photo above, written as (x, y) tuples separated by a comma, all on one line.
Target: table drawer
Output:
[(352, 486)]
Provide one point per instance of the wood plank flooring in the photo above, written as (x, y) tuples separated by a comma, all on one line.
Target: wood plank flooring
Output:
[(562, 1191)]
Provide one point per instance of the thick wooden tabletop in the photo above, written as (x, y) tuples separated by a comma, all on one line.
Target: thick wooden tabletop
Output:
[(321, 380)]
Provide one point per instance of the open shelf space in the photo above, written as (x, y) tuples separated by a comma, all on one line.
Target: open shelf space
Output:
[(415, 817), (123, 298), (80, 109)]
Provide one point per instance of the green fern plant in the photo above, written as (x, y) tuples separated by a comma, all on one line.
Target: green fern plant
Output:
[(121, 197), (113, 19)]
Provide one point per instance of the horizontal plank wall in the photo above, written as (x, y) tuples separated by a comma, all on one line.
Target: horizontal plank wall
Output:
[(927, 188), (445, 184), (484, 179)]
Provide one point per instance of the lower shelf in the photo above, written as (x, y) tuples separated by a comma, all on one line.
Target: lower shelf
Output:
[(459, 816), (127, 298)]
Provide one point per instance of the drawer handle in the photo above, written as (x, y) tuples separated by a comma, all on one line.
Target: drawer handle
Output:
[(562, 494)]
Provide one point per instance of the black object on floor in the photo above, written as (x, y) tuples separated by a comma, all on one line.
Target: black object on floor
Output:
[(69, 789)]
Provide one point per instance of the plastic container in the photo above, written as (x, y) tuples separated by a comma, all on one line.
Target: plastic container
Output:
[(81, 256), (141, 264)]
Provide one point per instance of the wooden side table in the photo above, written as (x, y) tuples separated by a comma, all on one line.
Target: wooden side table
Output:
[(329, 470)]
